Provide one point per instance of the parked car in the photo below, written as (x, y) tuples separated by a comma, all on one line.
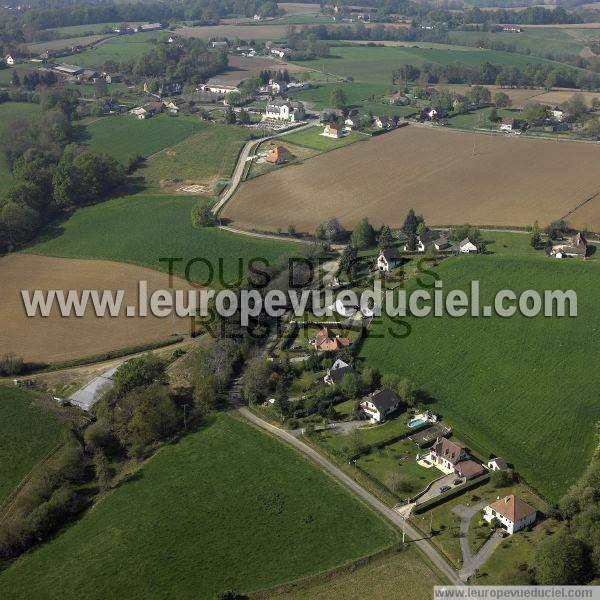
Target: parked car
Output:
[(444, 488), (457, 481)]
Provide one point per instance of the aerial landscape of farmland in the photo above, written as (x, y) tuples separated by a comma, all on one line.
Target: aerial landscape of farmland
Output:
[(299, 299)]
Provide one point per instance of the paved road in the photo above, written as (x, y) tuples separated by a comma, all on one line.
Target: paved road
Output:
[(472, 562), (238, 172), (366, 496)]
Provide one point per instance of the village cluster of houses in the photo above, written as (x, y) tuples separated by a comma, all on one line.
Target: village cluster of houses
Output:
[(75, 72)]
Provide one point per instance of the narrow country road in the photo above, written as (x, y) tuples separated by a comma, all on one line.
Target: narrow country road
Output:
[(366, 496)]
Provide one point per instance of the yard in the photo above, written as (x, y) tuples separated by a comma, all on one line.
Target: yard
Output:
[(231, 509), (313, 138), (445, 525), (399, 459), (143, 228), (27, 434), (505, 381), (125, 137)]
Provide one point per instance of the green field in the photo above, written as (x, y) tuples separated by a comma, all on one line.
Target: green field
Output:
[(519, 387), (376, 64), (208, 154), (226, 508), (11, 111), (140, 229), (402, 574), (119, 49), (79, 30), (27, 434), (363, 96), (124, 137), (540, 40), (312, 138)]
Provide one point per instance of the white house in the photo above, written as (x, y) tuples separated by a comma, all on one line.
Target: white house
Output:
[(557, 114), (510, 126), (332, 130), (512, 512), (9, 60), (388, 259), (349, 124), (468, 247), (218, 88), (497, 464), (281, 52), (219, 44), (378, 405), (285, 110), (441, 244), (277, 87)]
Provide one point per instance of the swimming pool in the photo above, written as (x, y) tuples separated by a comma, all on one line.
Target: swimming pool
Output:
[(416, 422)]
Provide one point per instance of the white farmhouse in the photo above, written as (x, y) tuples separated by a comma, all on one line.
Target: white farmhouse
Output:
[(467, 246), (512, 512), (285, 110), (9, 60), (388, 259)]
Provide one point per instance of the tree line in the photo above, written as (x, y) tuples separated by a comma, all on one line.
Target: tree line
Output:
[(51, 174)]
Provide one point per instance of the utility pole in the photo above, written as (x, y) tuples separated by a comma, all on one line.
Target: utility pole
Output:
[(403, 528)]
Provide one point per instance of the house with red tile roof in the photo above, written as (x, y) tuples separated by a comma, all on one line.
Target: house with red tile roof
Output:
[(279, 155), (512, 512), (327, 341)]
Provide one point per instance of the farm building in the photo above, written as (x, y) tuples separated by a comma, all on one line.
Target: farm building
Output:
[(388, 259), (70, 70), (216, 87), (576, 247), (326, 341), (383, 122), (279, 155), (332, 130), (468, 246), (9, 60), (400, 98), (512, 512), (149, 27), (147, 111), (285, 110), (378, 405)]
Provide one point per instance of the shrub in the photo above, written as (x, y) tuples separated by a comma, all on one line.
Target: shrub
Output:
[(11, 364)]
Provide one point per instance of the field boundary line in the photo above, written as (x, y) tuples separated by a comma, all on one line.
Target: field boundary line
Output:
[(578, 206), (265, 236)]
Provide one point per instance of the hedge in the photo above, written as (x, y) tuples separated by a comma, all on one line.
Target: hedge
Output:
[(453, 493)]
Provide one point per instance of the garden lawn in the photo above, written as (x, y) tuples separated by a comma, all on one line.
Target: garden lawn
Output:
[(11, 111), (479, 119), (27, 434), (376, 64), (119, 49), (399, 457), (211, 153), (312, 138), (124, 137), (520, 387), (225, 508), (143, 228)]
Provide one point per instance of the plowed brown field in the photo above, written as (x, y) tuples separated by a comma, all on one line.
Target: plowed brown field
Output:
[(450, 177), (55, 338)]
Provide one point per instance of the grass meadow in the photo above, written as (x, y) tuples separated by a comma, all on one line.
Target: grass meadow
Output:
[(376, 64), (11, 111), (230, 508), (124, 137), (27, 434), (208, 154), (140, 229), (119, 49), (363, 96), (520, 387)]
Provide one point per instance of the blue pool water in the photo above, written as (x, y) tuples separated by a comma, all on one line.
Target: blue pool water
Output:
[(416, 422)]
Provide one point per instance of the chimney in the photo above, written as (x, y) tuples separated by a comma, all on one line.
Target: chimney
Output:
[(506, 500)]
